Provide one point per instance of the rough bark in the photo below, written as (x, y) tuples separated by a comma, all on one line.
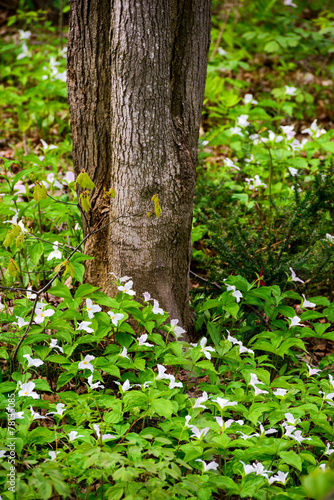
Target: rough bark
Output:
[(136, 76)]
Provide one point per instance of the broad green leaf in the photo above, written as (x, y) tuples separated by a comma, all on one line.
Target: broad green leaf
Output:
[(291, 458)]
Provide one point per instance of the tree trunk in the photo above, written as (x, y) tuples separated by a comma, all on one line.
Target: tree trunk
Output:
[(136, 77)]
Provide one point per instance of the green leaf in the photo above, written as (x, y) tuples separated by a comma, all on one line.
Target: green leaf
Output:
[(328, 146), (133, 399), (206, 365), (42, 385), (84, 290), (226, 484), (107, 367), (162, 407), (58, 358), (40, 192), (210, 304), (63, 379), (84, 181), (79, 271), (41, 435), (318, 484), (7, 387), (291, 458), (36, 251), (214, 333), (61, 291)]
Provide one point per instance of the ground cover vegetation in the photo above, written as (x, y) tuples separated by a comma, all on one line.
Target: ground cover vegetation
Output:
[(110, 400)]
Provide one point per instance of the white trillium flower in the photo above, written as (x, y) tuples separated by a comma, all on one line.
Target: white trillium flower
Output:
[(290, 419), (20, 322), (54, 345), (206, 350), (290, 90), (124, 353), (74, 435), (161, 373), (95, 385), (177, 330), (224, 403), (298, 437), (56, 254), (126, 386), (156, 309), (41, 315), (242, 121), (33, 361), (17, 415), (104, 436), (48, 147), (293, 171), (289, 429), (123, 279), (312, 371), (25, 52), (294, 277), (85, 364), (14, 219), (314, 130), (52, 180), (30, 295), (280, 392), (307, 303), (127, 288), (24, 35), (142, 340), (258, 391), (248, 99), (322, 466), (266, 432), (187, 419), (288, 130), (84, 325), (236, 131), (221, 51), (68, 178), (331, 380), (273, 137), (254, 379), (210, 466), (23, 229), (255, 182), (329, 451), (280, 477), (197, 433), (53, 455), (147, 296), (257, 468), (92, 308), (173, 383), (27, 389), (239, 343), (330, 238), (200, 400), (329, 398), (60, 408), (35, 415), (295, 321), (230, 163), (115, 317), (245, 436)]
